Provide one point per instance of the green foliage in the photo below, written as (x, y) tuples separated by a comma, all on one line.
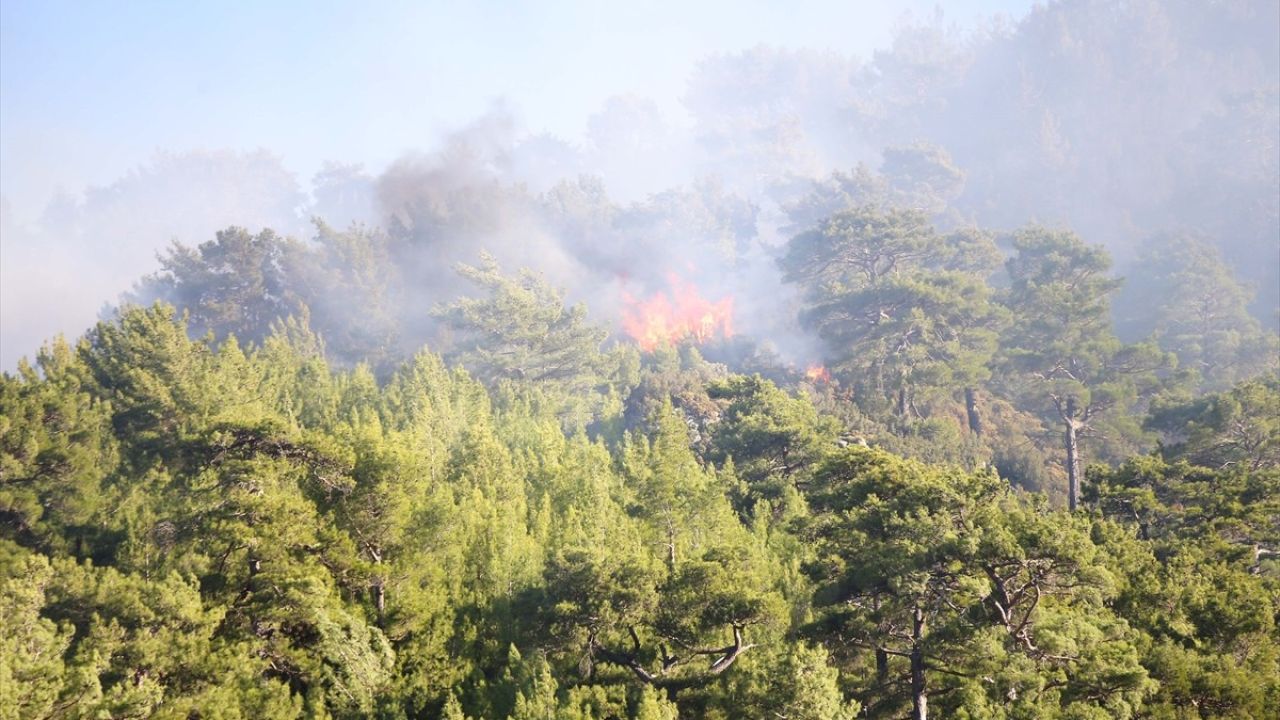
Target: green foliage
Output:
[(263, 500), (33, 673), (92, 641), (807, 688), (772, 439), (1238, 427), (56, 448), (996, 604), (190, 529), (1199, 551)]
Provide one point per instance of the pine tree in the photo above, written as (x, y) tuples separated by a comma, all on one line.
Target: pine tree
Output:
[(1064, 361)]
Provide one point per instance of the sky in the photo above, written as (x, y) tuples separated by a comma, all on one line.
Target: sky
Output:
[(90, 90)]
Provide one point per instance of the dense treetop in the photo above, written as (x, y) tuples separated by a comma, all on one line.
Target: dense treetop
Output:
[(200, 528)]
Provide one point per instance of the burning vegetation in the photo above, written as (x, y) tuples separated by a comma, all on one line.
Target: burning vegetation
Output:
[(681, 314), (817, 374)]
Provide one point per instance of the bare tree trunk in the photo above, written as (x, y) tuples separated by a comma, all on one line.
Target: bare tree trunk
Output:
[(380, 601), (904, 401), (1073, 455), (971, 407), (919, 698)]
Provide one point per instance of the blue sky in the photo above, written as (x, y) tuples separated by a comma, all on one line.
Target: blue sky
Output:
[(90, 90)]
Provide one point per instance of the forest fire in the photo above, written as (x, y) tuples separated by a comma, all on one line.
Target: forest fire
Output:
[(681, 315), (817, 374)]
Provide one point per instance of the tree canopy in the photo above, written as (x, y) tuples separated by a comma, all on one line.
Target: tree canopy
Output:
[(191, 527)]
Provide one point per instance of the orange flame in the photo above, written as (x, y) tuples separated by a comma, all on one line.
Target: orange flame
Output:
[(817, 374), (685, 314)]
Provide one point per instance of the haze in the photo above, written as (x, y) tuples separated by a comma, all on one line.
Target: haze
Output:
[(122, 129)]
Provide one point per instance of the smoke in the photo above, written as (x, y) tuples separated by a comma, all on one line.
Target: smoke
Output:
[(1123, 121), (86, 249), (448, 207)]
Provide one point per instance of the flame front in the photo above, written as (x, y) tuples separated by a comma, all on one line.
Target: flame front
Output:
[(683, 314), (817, 374)]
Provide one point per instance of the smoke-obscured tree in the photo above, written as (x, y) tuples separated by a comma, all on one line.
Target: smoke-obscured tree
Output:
[(922, 176), (1178, 128), (765, 115), (544, 159), (1064, 361), (1229, 176), (898, 96), (441, 208), (839, 192), (354, 295), (344, 284), (186, 196), (632, 147), (1114, 118), (523, 331), (345, 195), (1181, 292), (902, 309), (855, 248), (705, 217), (580, 212), (237, 284)]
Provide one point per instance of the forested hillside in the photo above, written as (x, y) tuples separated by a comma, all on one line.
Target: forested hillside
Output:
[(201, 528), (938, 383)]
